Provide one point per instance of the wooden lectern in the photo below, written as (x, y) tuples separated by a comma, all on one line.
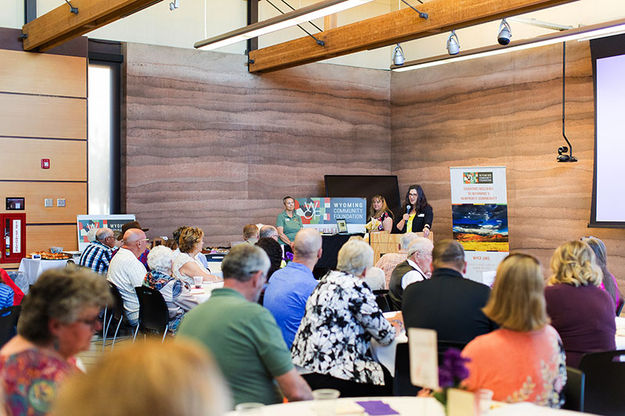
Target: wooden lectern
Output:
[(383, 242)]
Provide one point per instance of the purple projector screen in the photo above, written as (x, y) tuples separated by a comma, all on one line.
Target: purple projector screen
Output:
[(610, 143)]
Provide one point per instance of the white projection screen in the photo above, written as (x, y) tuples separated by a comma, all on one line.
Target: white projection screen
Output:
[(608, 205)]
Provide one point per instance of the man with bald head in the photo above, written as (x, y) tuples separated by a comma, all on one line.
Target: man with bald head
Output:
[(97, 255), (290, 287), (127, 272)]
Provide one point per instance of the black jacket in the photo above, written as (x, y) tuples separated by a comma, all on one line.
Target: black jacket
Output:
[(449, 304)]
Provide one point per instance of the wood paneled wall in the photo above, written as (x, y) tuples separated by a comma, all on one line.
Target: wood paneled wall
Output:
[(209, 144), (506, 111), (44, 115)]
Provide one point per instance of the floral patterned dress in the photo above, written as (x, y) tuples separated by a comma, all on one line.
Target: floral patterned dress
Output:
[(334, 337), (30, 380)]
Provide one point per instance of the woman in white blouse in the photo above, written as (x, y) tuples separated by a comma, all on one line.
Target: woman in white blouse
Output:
[(186, 265), (342, 316)]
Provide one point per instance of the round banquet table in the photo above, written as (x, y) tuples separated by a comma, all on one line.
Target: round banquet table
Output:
[(413, 406)]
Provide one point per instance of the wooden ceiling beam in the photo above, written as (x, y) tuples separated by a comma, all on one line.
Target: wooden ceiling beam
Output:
[(60, 25), (398, 26)]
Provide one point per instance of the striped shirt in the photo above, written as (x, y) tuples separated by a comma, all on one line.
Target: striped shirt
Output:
[(97, 257), (6, 296)]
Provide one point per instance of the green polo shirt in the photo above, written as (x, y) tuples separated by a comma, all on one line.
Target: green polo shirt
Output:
[(290, 225), (246, 342)]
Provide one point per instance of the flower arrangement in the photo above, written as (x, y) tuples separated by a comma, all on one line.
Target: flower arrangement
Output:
[(288, 257), (451, 372)]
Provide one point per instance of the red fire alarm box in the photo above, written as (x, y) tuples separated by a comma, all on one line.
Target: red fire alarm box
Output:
[(13, 228)]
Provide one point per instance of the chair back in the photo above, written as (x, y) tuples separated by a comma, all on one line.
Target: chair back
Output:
[(153, 311), (8, 323), (574, 390), (382, 299), (605, 378), (402, 386), (117, 308)]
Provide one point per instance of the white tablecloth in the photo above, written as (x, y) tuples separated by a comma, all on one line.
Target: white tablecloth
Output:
[(421, 406), (204, 293), (32, 268)]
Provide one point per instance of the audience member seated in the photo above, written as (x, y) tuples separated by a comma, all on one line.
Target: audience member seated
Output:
[(127, 272), (608, 281), (18, 295), (274, 251), (58, 319), (134, 225), (186, 264), (342, 316), (389, 261), (176, 294), (290, 287), (447, 302), (243, 336), (147, 378), (417, 267), (97, 256), (523, 360), (580, 311), (268, 231), (375, 278), (250, 233)]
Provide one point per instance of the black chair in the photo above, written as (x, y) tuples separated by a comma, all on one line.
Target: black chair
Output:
[(402, 386), (115, 313), (8, 323), (153, 312), (382, 299), (605, 381), (574, 390)]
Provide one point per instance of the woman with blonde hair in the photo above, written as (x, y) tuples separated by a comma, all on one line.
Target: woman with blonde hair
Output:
[(582, 313), (523, 360), (380, 217), (186, 265), (147, 378)]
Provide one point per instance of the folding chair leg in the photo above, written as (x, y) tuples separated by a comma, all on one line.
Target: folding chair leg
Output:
[(165, 333), (135, 336), (119, 323)]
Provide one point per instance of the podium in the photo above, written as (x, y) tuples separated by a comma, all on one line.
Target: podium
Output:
[(383, 242)]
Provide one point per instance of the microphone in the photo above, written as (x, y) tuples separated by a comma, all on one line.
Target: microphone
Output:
[(408, 208)]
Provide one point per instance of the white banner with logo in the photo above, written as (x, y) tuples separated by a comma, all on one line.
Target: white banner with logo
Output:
[(480, 218)]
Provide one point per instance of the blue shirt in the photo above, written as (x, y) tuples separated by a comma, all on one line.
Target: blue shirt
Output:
[(6, 296), (289, 289), (97, 256)]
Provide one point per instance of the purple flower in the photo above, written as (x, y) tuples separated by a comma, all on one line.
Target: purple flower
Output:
[(452, 370), (288, 256)]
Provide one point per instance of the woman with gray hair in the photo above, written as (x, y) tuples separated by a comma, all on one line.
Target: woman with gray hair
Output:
[(341, 318), (58, 319), (177, 295)]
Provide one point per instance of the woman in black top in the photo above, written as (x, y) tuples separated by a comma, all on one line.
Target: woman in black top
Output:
[(418, 214)]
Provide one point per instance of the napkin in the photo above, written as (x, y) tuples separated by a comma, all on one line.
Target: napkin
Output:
[(377, 407)]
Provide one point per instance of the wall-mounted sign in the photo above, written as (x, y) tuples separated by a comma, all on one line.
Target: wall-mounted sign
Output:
[(15, 203), (87, 225)]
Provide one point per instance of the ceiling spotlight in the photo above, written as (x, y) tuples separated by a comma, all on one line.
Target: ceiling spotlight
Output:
[(453, 45), (174, 5), (398, 55), (505, 34)]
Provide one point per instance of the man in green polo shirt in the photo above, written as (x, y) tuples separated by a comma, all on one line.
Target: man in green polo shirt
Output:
[(242, 336)]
